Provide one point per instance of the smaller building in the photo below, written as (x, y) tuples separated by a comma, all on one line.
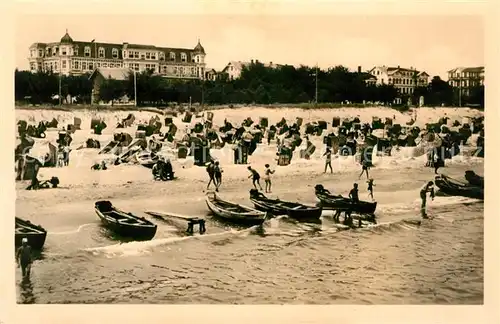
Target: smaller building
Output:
[(368, 78), (101, 74), (466, 78), (234, 68), (211, 75)]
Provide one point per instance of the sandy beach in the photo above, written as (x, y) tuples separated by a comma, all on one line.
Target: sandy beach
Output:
[(235, 265)]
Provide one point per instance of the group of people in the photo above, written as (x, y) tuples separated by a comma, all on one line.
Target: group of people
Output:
[(214, 171)]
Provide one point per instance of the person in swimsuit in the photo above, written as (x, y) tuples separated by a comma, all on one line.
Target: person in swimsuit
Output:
[(267, 177), (353, 194), (217, 175), (428, 187), (255, 177), (24, 258), (364, 169), (438, 162), (328, 161), (370, 188)]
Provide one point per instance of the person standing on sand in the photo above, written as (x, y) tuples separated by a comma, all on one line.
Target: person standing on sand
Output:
[(255, 177), (217, 175), (267, 177), (328, 160), (429, 187), (365, 167), (211, 174), (24, 258)]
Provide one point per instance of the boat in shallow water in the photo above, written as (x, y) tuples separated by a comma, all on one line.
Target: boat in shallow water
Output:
[(337, 202), (35, 234), (278, 207), (124, 224), (233, 212), (453, 187)]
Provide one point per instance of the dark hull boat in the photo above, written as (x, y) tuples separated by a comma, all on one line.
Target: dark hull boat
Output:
[(233, 212), (453, 187), (35, 234), (474, 179), (124, 224), (329, 201), (278, 207)]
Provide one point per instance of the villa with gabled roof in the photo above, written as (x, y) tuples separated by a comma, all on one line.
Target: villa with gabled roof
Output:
[(403, 79)]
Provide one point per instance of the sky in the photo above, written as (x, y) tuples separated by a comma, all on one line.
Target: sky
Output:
[(434, 44)]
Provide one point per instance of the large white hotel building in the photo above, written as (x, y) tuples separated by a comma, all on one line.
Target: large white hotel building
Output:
[(71, 57)]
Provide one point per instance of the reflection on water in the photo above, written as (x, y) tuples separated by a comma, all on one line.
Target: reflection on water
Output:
[(26, 291)]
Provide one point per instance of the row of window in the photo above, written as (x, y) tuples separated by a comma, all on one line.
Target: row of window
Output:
[(405, 81), (403, 73), (101, 53), (465, 75), (466, 83), (406, 90)]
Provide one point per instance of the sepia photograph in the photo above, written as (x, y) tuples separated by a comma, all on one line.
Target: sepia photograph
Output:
[(249, 159)]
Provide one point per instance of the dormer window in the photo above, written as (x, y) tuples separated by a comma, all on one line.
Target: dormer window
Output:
[(172, 56), (75, 51), (87, 51), (101, 52), (183, 57), (115, 53), (161, 56), (40, 53)]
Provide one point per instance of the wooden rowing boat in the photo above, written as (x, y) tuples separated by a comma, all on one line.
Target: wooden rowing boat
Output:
[(337, 202), (35, 234), (233, 212), (124, 224), (453, 187), (277, 207)]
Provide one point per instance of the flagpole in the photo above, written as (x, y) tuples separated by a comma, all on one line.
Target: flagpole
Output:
[(316, 97), (60, 72), (135, 89)]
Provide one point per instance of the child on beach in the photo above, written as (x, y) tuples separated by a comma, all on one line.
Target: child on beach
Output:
[(328, 161), (370, 187), (267, 177), (211, 174), (217, 175), (255, 177)]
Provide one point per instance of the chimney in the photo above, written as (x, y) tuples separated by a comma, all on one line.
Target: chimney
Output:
[(398, 66), (359, 68)]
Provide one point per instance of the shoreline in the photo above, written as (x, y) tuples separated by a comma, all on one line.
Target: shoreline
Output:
[(301, 106)]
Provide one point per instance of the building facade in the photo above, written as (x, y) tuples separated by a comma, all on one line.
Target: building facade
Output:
[(71, 57), (405, 80), (234, 68), (466, 78)]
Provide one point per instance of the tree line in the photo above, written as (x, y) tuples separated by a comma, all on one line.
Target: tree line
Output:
[(257, 84)]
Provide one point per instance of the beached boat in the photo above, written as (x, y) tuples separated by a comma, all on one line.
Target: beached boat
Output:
[(124, 224), (147, 159), (453, 187), (474, 179), (337, 202), (277, 207), (234, 212), (35, 234)]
